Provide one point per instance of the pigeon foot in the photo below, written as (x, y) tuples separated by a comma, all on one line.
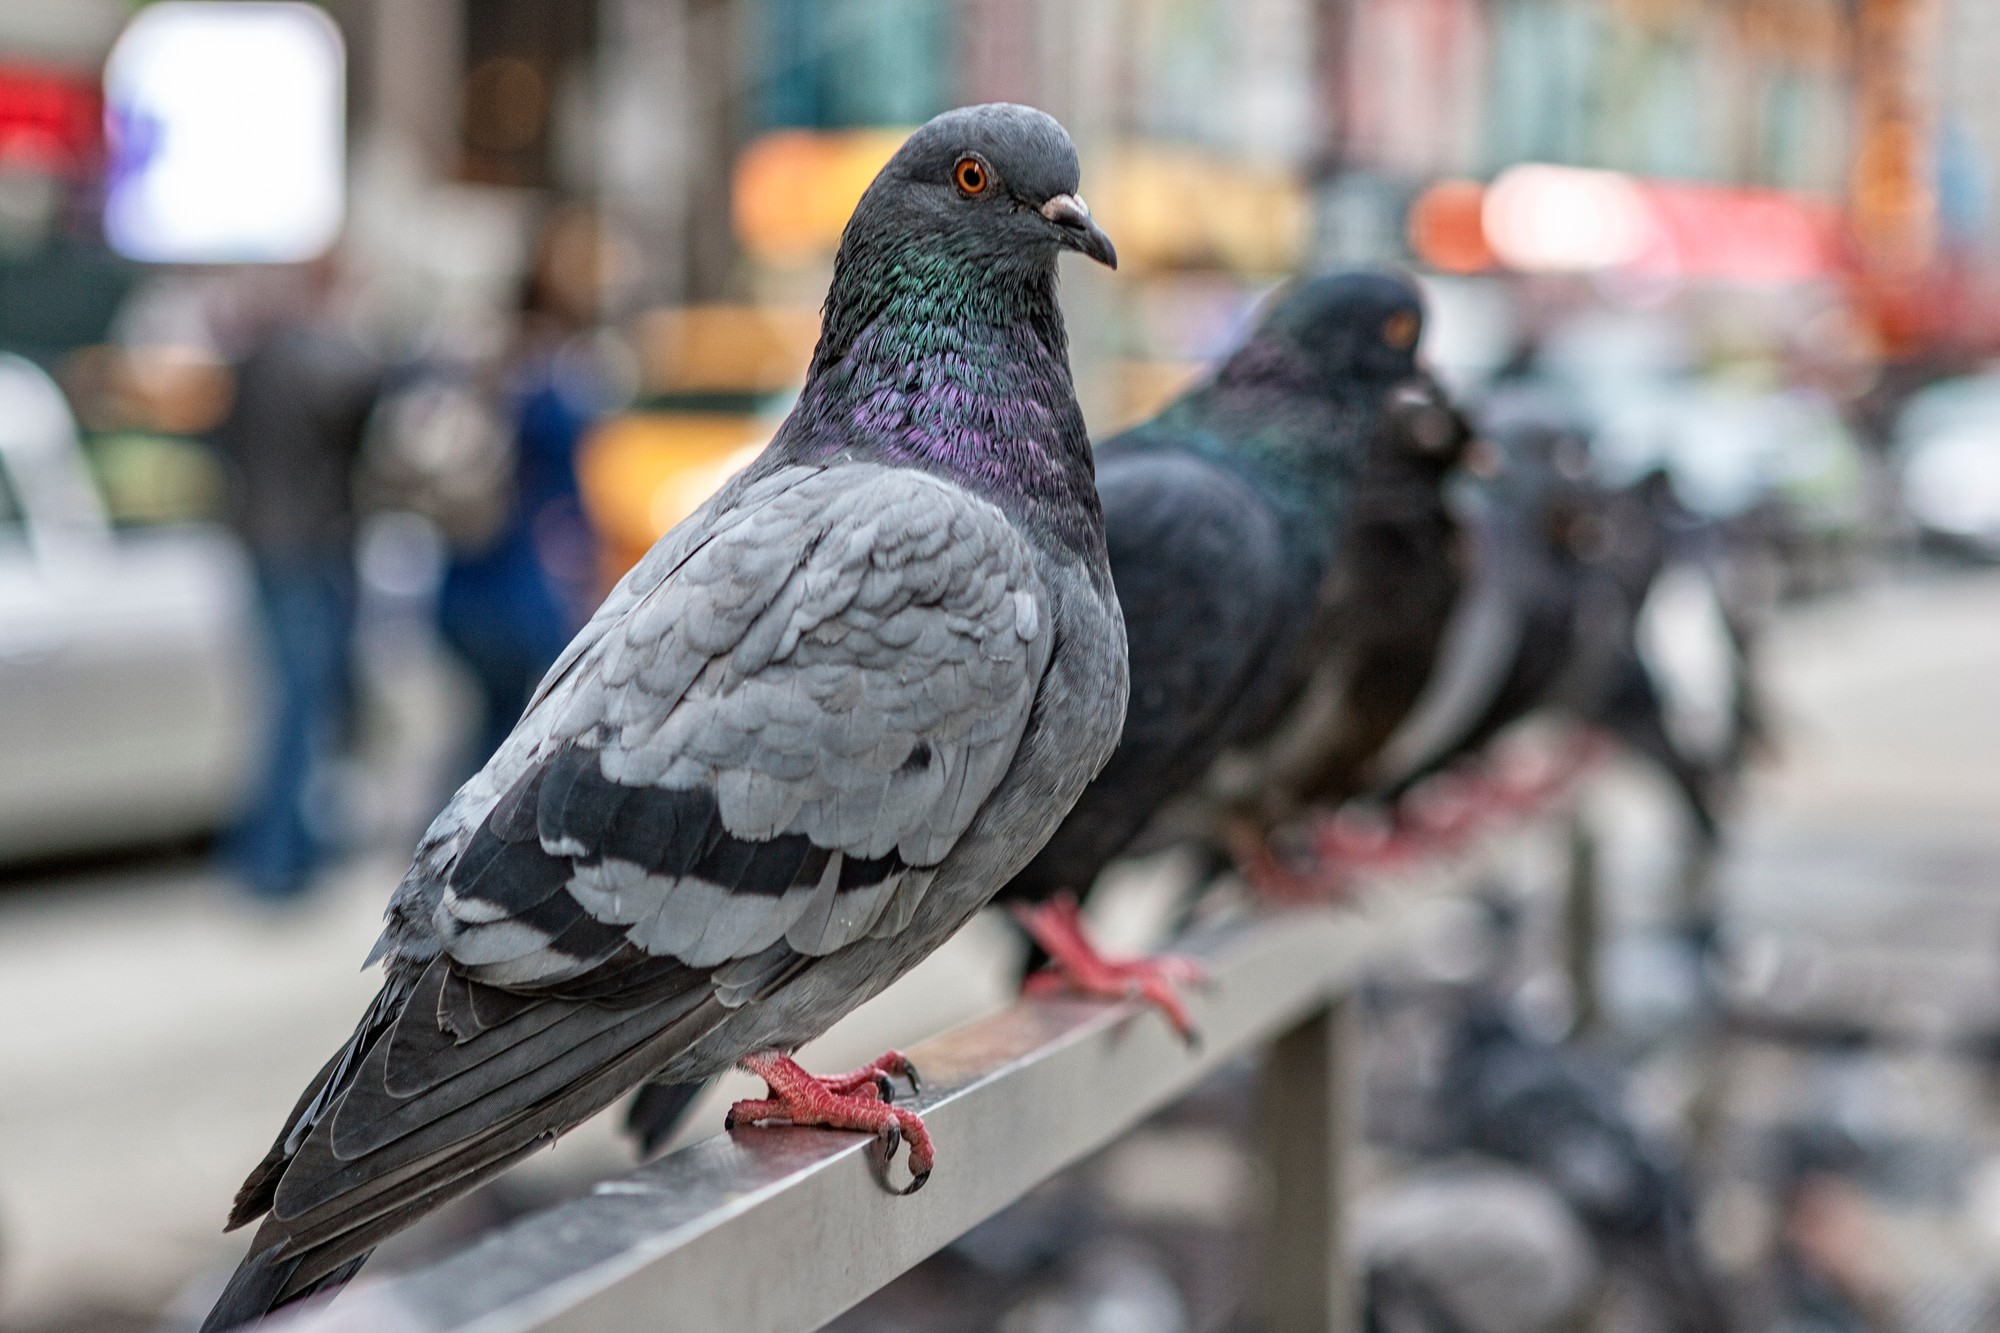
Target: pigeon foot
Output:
[(1359, 845), (1275, 879), (1076, 966), (857, 1100)]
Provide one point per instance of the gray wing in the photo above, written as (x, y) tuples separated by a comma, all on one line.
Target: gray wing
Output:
[(760, 756), (778, 742)]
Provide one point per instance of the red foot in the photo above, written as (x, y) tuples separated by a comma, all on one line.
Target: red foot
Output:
[(1275, 881), (1076, 965), (856, 1100), (1453, 808), (1358, 844)]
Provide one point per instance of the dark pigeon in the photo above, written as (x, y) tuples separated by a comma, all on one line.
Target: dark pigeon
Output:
[(1284, 559), (799, 745), (1398, 574), (1552, 618), (1509, 649)]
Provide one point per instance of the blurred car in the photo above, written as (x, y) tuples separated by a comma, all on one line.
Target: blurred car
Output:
[(1947, 450), (1730, 447), (129, 689)]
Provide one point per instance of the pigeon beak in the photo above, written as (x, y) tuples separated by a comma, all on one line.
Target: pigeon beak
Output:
[(1072, 217)]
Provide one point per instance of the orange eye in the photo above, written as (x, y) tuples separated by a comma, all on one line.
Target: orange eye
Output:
[(1400, 330), (970, 174)]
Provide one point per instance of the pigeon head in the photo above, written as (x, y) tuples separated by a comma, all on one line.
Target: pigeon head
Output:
[(942, 345), (995, 184), (962, 227), (1357, 325)]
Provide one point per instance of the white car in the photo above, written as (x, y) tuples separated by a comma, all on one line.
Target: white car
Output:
[(1948, 451), (131, 695)]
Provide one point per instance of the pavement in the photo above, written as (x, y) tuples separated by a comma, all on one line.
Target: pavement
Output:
[(163, 1025)]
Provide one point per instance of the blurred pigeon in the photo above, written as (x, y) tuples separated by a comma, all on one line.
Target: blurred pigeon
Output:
[(1560, 1114), (1256, 527), (1472, 1247), (1398, 576), (799, 745), (1696, 649), (1581, 601), (1509, 642)]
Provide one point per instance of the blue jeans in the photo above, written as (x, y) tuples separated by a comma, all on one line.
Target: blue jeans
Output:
[(308, 608)]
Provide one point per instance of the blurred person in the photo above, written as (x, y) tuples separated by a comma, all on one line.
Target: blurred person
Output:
[(289, 444), (511, 602)]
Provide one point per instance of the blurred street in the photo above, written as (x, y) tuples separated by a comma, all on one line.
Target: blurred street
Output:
[(161, 1031)]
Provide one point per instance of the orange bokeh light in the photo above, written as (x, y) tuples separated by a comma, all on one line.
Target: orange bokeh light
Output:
[(1446, 230)]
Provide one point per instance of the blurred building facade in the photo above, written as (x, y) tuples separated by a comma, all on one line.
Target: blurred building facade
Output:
[(1227, 144), (645, 105)]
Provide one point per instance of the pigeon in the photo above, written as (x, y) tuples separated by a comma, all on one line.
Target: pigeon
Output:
[(1559, 1113), (1248, 526), (1222, 516), (798, 746), (1563, 614), (1399, 573), (1702, 715), (1471, 1246), (1509, 642)]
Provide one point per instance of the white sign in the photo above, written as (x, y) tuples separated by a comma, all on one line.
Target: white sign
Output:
[(226, 129)]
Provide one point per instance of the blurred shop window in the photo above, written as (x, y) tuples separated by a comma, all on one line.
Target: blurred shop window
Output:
[(58, 286), (524, 60), (227, 133)]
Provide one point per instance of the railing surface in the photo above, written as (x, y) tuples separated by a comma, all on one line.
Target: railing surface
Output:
[(777, 1230)]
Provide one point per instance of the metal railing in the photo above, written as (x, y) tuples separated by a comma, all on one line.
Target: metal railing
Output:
[(781, 1230)]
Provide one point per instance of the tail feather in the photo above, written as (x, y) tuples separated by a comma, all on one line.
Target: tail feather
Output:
[(657, 1111), (260, 1191), (350, 1205), (260, 1285)]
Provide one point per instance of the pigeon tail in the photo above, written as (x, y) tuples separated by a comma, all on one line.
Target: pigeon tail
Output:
[(657, 1111), (257, 1287)]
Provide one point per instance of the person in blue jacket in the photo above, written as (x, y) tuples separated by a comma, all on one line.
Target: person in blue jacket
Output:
[(509, 607)]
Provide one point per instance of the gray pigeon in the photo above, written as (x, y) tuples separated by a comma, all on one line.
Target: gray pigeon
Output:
[(799, 745)]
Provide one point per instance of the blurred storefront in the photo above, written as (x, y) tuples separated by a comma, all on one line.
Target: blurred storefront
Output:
[(1818, 155), (59, 285), (1848, 147)]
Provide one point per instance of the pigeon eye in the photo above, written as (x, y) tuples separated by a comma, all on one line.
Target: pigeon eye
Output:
[(1400, 330), (970, 176)]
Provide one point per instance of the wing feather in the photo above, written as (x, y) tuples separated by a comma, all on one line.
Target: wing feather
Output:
[(757, 714)]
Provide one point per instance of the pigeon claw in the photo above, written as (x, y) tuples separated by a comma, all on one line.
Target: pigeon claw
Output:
[(857, 1100), (877, 1074), (1076, 966)]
